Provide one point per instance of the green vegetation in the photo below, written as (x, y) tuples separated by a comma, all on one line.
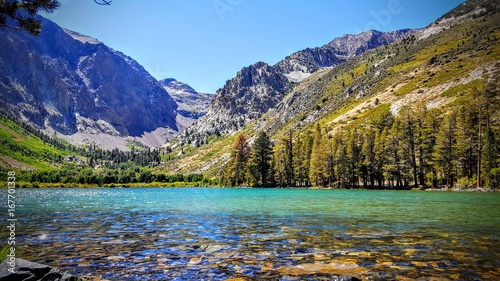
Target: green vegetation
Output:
[(260, 163), (415, 113), (418, 148), (29, 147), (4, 251), (126, 174), (23, 14), (43, 161), (250, 166), (235, 172), (446, 130)]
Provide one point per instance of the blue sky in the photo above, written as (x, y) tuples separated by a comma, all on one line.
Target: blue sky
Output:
[(205, 42)]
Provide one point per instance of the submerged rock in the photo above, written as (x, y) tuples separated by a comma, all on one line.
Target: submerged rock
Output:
[(340, 268), (26, 270)]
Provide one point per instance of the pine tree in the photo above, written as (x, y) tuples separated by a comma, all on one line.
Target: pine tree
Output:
[(446, 150), (354, 145), (302, 154), (380, 156), (369, 161), (467, 139), (490, 158), (279, 159), (331, 175), (429, 132), (236, 169), (289, 159), (489, 118), (420, 117), (23, 13), (408, 143), (392, 168), (260, 162), (317, 170), (341, 160), (283, 154)]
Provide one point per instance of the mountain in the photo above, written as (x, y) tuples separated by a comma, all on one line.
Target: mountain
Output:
[(440, 70), (76, 87), (254, 90), (259, 87), (190, 103), (305, 62)]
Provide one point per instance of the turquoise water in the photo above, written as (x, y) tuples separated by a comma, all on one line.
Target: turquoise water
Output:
[(260, 234)]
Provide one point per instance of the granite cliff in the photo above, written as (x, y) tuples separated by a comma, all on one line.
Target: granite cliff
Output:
[(74, 86)]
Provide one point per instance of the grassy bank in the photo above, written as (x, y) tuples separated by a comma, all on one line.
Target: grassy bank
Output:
[(110, 185)]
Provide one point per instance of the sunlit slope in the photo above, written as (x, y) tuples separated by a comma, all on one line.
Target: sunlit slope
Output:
[(21, 149), (439, 66)]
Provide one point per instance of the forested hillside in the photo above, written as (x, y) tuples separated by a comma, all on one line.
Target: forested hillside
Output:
[(42, 160), (421, 112)]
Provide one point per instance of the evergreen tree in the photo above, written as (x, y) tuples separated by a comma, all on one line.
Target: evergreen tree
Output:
[(283, 158), (490, 159), (260, 162), (446, 150), (331, 175), (289, 159), (317, 169), (467, 140), (408, 142), (302, 154), (340, 160), (354, 144), (369, 161), (24, 13), (392, 167), (380, 158), (489, 130), (236, 168), (420, 117), (429, 132)]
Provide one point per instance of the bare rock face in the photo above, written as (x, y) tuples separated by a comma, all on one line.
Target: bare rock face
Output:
[(70, 83), (339, 50), (26, 270), (191, 104), (259, 87), (253, 91)]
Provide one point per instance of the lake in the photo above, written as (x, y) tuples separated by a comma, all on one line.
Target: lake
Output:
[(259, 234)]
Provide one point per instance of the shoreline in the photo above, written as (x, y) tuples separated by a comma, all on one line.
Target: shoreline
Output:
[(28, 185)]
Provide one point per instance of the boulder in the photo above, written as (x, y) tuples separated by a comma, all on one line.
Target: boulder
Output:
[(32, 271)]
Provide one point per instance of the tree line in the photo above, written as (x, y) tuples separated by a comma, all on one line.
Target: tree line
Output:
[(124, 173), (96, 156), (419, 147)]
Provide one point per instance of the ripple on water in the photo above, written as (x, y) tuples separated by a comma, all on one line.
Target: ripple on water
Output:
[(216, 241)]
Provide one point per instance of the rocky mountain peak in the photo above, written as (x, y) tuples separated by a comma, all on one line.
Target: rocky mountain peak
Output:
[(73, 85), (173, 85), (254, 90), (259, 87), (191, 105)]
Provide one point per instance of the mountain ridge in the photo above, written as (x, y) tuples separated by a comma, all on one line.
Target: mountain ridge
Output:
[(259, 87), (191, 104), (83, 91), (439, 66)]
